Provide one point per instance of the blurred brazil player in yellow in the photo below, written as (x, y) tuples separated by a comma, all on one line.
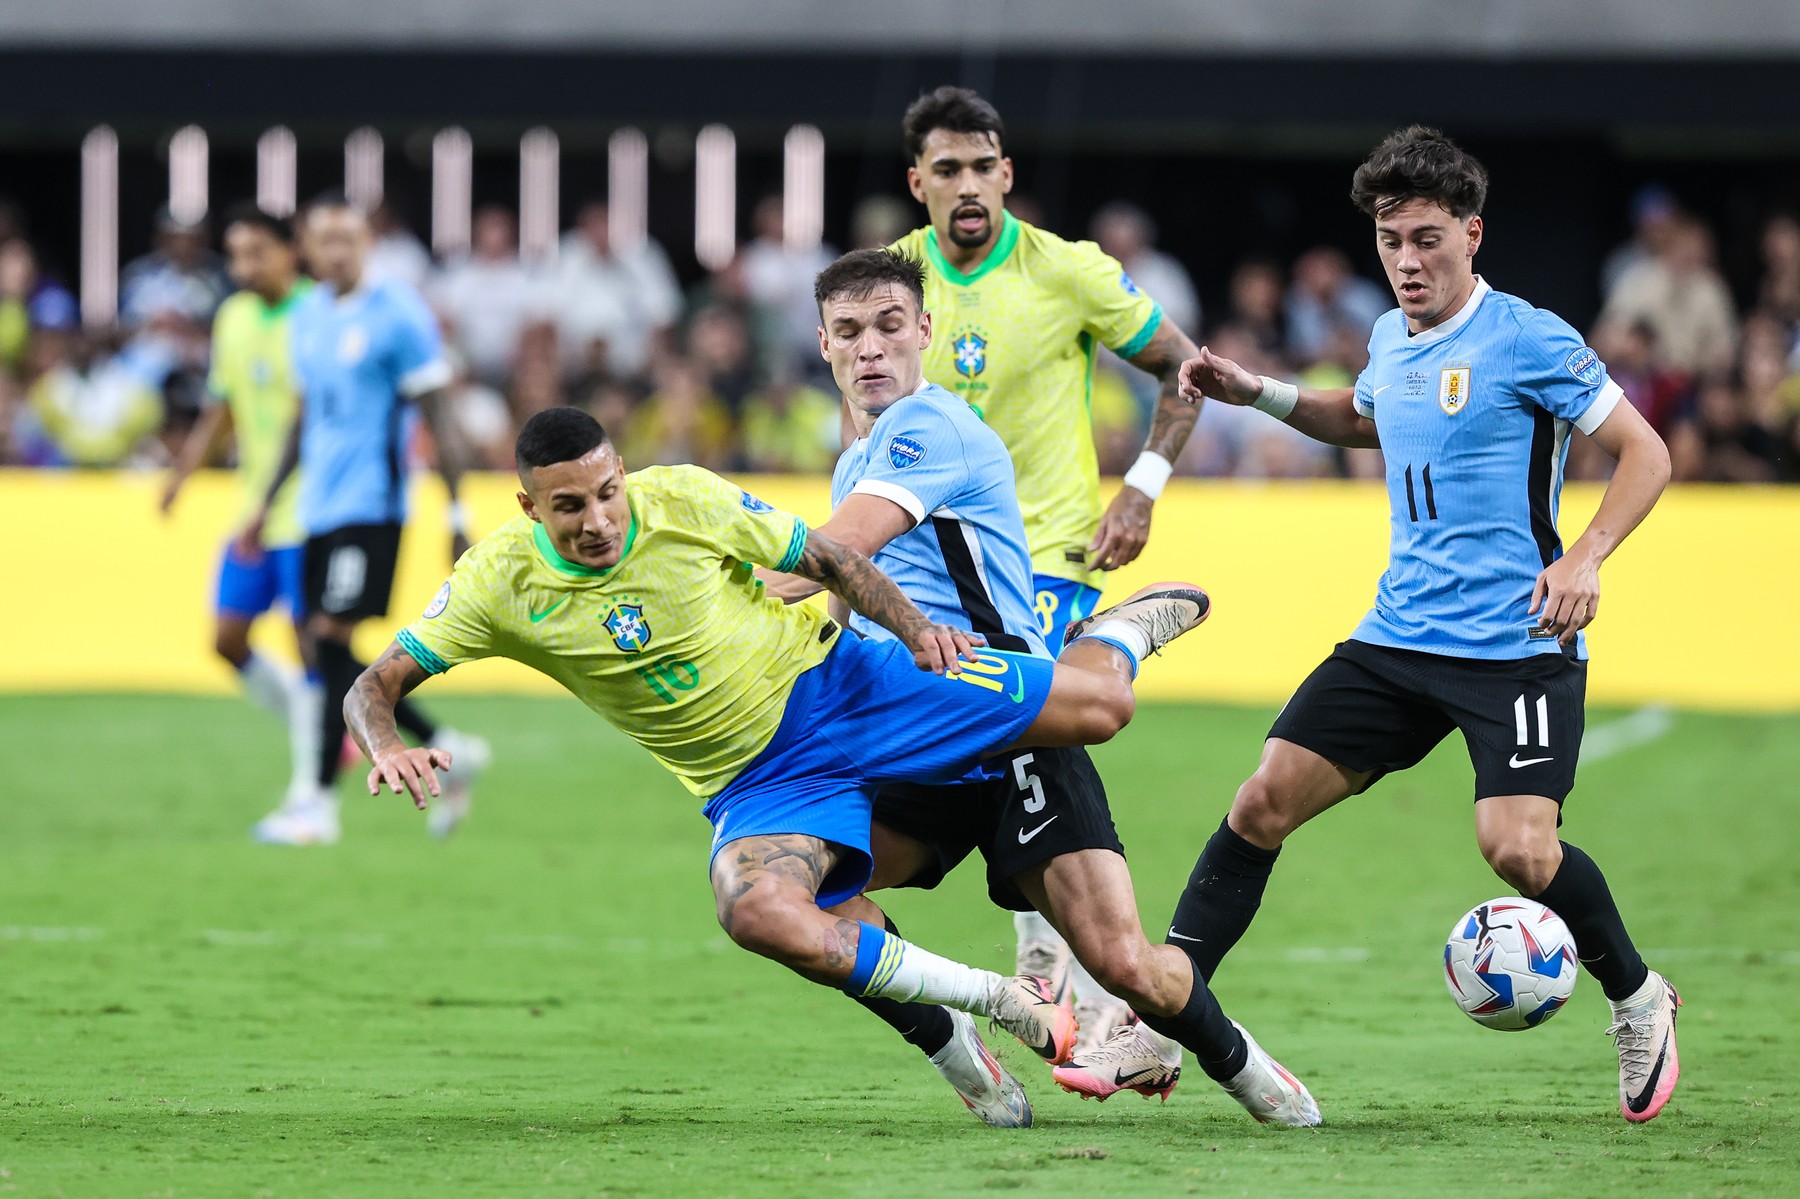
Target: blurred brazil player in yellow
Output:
[(1019, 313), (251, 397), (639, 596)]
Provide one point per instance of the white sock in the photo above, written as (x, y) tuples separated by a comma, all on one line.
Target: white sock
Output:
[(270, 687), (304, 721), (1643, 995), (1134, 639), (893, 968), (1031, 926)]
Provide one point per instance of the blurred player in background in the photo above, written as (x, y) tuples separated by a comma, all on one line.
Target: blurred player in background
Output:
[(1472, 396), (927, 492), (364, 353), (1018, 313), (250, 397)]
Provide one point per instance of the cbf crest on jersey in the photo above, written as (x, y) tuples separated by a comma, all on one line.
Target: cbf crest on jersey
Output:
[(630, 631), (1453, 387), (971, 353)]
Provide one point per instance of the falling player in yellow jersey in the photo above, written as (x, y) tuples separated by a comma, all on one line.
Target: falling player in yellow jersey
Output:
[(640, 597), (251, 396), (1019, 312)]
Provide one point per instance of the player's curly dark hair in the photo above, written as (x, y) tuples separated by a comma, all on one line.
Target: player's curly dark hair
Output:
[(954, 109), (858, 273), (1419, 161), (556, 435)]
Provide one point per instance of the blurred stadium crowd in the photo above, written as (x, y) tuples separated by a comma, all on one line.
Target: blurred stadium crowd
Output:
[(725, 372)]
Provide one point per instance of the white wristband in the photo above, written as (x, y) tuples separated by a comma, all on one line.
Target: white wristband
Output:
[(458, 517), (1277, 398), (1150, 473)]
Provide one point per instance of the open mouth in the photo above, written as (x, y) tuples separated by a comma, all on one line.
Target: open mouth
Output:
[(1412, 290), (971, 218)]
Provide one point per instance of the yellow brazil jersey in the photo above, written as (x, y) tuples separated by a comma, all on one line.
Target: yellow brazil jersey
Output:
[(1015, 338), (677, 645), (252, 372)]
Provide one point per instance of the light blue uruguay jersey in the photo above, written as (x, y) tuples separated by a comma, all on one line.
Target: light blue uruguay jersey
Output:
[(1474, 418), (358, 362), (964, 562)]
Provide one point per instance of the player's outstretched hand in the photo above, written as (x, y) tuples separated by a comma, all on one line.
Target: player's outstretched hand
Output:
[(1568, 592), (942, 649), (1218, 378), (1123, 530), (413, 771)]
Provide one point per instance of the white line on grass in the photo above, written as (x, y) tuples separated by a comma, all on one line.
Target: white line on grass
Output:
[(1643, 726)]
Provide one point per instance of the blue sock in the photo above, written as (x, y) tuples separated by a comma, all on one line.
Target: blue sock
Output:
[(870, 945)]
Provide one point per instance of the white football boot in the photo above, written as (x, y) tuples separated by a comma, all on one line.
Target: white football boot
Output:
[(1161, 611), (985, 1086), (307, 816), (1644, 1028), (1100, 1017), (1024, 1008), (1133, 1058), (469, 756), (1268, 1092)]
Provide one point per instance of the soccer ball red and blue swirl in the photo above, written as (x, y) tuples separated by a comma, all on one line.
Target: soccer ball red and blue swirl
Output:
[(1510, 964)]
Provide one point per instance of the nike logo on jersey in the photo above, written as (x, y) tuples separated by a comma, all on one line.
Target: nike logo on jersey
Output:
[(1515, 762), (1025, 836), (1379, 390), (536, 617)]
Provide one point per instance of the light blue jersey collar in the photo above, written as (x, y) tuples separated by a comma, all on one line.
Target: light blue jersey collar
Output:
[(1463, 316)]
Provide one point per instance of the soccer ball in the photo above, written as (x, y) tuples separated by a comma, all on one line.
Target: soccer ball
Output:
[(1510, 964)]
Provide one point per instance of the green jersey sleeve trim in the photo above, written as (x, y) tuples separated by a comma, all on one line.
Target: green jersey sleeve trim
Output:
[(1135, 346), (1009, 237), (547, 551), (423, 656), (796, 548)]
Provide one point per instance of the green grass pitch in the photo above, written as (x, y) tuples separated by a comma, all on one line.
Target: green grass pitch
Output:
[(545, 1006)]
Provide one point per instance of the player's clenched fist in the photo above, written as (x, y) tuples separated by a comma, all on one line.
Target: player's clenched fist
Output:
[(413, 771), (1218, 378)]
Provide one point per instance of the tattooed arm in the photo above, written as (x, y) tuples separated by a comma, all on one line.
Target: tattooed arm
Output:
[(1126, 526), (369, 714), (855, 580)]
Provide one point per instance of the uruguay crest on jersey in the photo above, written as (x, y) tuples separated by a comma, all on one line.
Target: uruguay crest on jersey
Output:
[(630, 631), (1453, 387)]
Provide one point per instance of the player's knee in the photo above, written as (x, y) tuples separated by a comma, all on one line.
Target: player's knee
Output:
[(764, 921), (1527, 863), (231, 645), (1258, 815), (1109, 711)]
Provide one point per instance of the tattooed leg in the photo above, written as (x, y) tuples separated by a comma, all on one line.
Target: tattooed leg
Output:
[(767, 888)]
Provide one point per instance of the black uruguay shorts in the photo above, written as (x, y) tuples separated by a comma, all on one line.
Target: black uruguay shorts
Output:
[(1376, 709), (350, 571), (1049, 802)]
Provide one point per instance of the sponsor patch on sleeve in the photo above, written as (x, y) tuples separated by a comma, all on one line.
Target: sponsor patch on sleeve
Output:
[(1585, 365), (904, 452), (1125, 282), (751, 503), (439, 602)]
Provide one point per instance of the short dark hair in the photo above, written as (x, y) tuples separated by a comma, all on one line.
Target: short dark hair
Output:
[(858, 273), (954, 109), (1419, 162), (248, 213), (333, 198), (556, 435)]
